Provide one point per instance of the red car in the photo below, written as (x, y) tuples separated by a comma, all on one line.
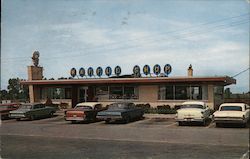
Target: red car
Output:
[(6, 108), (83, 112)]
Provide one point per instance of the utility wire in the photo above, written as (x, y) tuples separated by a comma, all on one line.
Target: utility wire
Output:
[(241, 72)]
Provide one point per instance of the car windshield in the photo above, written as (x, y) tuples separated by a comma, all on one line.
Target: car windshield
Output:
[(231, 108), (118, 106), (192, 106), (26, 107), (83, 107)]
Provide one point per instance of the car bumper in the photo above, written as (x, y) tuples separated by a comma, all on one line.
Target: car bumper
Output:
[(74, 118), (230, 120), (109, 117), (190, 120), (17, 116)]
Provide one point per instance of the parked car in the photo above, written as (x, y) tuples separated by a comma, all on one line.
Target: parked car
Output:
[(193, 111), (237, 113), (83, 112), (6, 108), (121, 111), (32, 111)]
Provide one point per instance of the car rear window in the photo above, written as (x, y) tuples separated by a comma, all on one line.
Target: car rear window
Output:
[(26, 107), (231, 108), (83, 107), (192, 106)]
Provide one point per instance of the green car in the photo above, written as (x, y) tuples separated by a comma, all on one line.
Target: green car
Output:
[(32, 111)]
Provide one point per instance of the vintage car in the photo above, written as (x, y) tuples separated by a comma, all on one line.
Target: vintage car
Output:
[(32, 111), (86, 111), (193, 111), (121, 111), (237, 113), (6, 108)]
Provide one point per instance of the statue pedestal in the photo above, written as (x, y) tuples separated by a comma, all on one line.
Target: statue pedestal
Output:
[(35, 73)]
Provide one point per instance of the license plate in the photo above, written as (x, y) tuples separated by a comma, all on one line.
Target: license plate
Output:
[(74, 115)]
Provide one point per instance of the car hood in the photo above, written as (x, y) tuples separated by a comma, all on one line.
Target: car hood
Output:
[(228, 114), (20, 111)]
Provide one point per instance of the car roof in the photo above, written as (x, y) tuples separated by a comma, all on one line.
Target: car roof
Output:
[(193, 102), (233, 104), (90, 104)]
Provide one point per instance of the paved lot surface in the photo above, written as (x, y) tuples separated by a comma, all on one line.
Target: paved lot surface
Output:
[(153, 137)]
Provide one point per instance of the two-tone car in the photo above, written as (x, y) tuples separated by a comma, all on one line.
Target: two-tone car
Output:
[(6, 108), (86, 111), (121, 111), (193, 111), (32, 111), (232, 113)]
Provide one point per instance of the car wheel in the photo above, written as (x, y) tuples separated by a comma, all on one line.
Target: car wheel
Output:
[(218, 124), (244, 125), (180, 123), (107, 121), (18, 119), (127, 119), (51, 114), (32, 117), (204, 123)]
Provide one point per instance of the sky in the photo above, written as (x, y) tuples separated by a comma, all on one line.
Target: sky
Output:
[(212, 35)]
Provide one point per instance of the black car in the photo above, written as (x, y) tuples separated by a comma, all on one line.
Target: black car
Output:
[(121, 111)]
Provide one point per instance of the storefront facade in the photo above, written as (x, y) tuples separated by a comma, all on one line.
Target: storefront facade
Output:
[(140, 90)]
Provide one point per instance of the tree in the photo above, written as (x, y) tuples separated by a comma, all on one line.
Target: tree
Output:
[(4, 94), (15, 91)]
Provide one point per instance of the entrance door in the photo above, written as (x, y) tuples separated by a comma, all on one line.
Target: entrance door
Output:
[(82, 94)]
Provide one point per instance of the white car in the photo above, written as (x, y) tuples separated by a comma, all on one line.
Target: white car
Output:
[(193, 111), (232, 113)]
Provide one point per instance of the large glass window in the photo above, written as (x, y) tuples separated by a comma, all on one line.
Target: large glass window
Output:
[(130, 92), (55, 93), (166, 92), (102, 92), (115, 92), (195, 92), (182, 92)]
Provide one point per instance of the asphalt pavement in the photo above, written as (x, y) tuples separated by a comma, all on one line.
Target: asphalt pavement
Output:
[(156, 136)]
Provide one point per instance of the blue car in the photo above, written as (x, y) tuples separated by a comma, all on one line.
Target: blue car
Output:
[(121, 111)]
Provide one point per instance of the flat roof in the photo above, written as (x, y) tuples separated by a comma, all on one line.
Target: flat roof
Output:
[(225, 80)]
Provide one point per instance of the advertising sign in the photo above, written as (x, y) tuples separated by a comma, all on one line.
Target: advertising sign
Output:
[(82, 72), (157, 69), (73, 72), (99, 71), (118, 70), (108, 71), (90, 71)]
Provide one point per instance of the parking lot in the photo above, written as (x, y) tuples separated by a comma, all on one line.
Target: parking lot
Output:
[(153, 137)]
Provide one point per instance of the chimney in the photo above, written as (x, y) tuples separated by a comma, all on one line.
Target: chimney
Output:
[(190, 71)]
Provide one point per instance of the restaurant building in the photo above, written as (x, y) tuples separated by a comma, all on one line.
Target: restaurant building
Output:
[(155, 90)]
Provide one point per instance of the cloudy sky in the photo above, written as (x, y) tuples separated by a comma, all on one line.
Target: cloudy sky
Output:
[(212, 35)]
